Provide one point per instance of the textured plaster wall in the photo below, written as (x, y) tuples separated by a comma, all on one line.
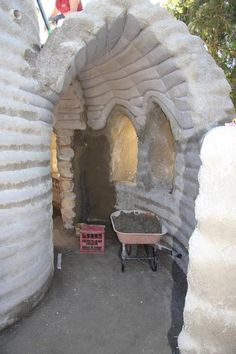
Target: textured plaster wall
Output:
[(210, 306), (95, 192), (26, 250)]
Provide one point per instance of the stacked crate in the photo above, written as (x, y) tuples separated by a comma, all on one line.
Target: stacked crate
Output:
[(92, 238)]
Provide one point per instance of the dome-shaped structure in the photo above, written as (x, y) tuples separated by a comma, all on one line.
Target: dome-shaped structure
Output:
[(132, 55), (136, 56)]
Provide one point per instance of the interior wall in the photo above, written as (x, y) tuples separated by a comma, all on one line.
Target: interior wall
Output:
[(94, 188)]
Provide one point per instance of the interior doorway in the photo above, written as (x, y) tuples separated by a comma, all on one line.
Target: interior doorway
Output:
[(102, 159)]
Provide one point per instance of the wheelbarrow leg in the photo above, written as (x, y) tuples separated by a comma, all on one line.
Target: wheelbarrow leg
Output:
[(128, 249), (152, 254), (123, 257), (155, 258)]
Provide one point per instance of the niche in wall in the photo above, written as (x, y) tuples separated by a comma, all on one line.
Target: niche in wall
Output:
[(124, 149), (160, 148)]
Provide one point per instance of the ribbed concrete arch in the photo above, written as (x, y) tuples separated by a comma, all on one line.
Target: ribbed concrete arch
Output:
[(128, 55), (123, 54), (118, 110)]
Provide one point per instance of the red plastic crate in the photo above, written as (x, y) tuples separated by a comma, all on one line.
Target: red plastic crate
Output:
[(92, 238)]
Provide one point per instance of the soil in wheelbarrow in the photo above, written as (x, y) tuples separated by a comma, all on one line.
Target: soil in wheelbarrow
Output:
[(137, 223)]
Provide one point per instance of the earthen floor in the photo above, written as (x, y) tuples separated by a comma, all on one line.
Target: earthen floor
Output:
[(93, 308)]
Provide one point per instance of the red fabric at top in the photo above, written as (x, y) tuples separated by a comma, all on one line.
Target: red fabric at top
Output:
[(80, 7), (64, 6)]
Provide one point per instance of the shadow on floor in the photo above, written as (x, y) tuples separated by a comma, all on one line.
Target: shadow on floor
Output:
[(177, 305)]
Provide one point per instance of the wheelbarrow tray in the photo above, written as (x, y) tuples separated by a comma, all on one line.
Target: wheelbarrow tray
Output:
[(137, 238)]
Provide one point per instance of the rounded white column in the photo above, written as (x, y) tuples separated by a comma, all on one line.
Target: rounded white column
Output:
[(210, 307)]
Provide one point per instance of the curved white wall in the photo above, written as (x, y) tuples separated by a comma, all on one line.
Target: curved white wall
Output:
[(210, 307), (26, 252)]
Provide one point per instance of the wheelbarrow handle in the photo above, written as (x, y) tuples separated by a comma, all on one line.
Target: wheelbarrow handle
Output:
[(168, 250)]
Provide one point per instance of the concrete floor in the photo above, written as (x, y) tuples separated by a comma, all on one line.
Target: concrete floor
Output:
[(93, 308)]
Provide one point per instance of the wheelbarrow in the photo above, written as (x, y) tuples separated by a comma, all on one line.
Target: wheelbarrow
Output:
[(149, 240)]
